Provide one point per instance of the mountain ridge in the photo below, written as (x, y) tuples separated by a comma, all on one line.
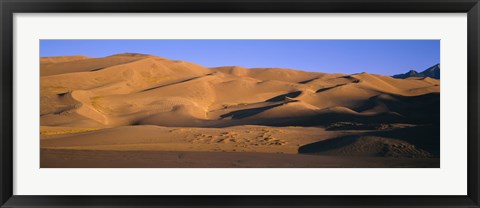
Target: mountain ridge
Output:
[(432, 72)]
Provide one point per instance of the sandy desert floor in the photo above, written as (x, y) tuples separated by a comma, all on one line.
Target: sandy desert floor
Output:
[(135, 110), (240, 146)]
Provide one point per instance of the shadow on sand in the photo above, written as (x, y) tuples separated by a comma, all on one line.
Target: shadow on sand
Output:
[(423, 137)]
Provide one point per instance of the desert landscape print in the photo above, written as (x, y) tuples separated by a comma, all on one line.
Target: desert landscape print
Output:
[(239, 104)]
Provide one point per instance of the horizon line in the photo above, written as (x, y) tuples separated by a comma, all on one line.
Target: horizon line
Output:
[(145, 54)]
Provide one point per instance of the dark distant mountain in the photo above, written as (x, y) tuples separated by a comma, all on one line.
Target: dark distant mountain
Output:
[(411, 73), (432, 72)]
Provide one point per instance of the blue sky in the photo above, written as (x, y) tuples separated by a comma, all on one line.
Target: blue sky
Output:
[(386, 57)]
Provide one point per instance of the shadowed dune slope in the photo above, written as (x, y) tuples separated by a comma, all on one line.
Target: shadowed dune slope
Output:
[(365, 146), (401, 141)]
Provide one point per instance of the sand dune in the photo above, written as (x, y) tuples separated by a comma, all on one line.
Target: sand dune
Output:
[(136, 102), (365, 146), (59, 59)]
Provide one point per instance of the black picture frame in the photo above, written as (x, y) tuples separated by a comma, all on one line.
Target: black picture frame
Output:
[(9, 7)]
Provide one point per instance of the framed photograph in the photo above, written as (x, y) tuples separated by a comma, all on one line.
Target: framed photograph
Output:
[(267, 103)]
